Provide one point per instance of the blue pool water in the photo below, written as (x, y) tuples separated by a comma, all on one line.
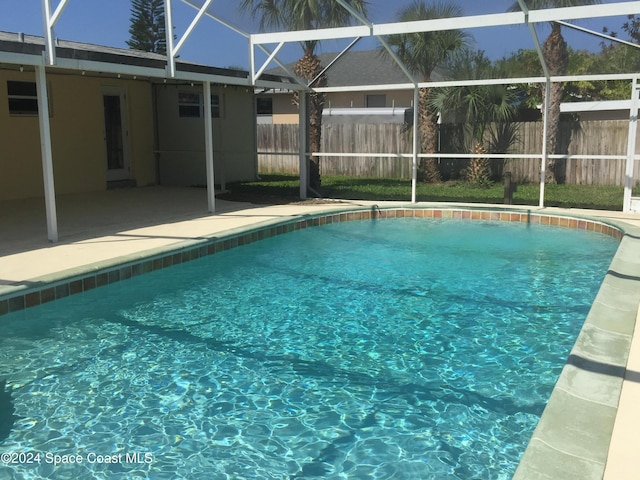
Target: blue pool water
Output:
[(389, 349)]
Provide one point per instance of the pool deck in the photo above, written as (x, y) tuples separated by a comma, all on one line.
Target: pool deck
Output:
[(102, 228)]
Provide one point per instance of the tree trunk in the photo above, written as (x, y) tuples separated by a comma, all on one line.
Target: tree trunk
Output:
[(557, 57), (478, 172), (428, 167), (308, 67)]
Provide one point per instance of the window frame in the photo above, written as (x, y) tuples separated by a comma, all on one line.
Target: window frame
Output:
[(193, 109), (24, 97), (265, 112)]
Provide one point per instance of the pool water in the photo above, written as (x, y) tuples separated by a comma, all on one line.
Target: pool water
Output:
[(390, 349)]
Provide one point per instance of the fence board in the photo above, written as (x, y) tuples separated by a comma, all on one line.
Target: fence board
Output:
[(606, 137)]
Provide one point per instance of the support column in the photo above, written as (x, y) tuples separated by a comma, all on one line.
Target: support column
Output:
[(47, 156), (208, 146), (416, 143), (631, 146), (545, 129), (302, 139)]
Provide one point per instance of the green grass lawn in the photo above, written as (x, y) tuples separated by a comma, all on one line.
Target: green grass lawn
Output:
[(284, 187)]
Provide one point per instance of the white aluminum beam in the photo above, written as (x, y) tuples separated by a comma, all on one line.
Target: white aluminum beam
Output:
[(385, 44), (598, 34), (473, 21), (332, 62), (208, 145), (191, 26), (217, 19), (357, 15), (47, 155), (545, 130), (255, 76), (311, 35), (584, 11), (457, 23), (302, 144), (239, 32), (631, 147), (536, 40), (505, 156), (416, 144), (49, 20), (487, 81), (168, 20)]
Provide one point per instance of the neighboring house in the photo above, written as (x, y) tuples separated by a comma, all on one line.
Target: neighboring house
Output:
[(598, 110), (114, 128), (354, 68)]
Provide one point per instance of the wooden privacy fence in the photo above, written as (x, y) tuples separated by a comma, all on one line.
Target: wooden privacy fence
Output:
[(338, 138), (595, 138)]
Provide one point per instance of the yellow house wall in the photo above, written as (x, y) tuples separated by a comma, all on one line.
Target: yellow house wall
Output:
[(399, 98), (291, 118), (77, 136), (20, 163), (140, 112), (284, 111)]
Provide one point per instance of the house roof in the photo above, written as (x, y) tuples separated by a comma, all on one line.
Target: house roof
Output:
[(14, 46), (360, 67)]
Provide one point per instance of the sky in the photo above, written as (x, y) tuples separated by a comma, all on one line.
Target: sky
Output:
[(106, 22)]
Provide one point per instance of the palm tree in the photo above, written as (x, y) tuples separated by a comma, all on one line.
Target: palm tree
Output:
[(556, 56), (306, 15), (422, 52), (485, 109)]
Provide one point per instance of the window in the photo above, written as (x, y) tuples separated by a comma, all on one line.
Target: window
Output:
[(191, 105), (376, 101), (23, 98), (264, 106), (215, 106)]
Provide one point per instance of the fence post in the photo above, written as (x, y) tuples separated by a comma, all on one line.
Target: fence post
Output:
[(508, 189)]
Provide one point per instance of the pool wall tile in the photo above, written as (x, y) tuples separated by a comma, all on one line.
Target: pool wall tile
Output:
[(4, 307), (16, 303), (88, 283), (102, 279), (114, 275), (48, 295), (62, 290), (75, 286), (32, 299)]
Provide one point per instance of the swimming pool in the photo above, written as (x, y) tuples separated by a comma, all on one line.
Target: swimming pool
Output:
[(361, 353)]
